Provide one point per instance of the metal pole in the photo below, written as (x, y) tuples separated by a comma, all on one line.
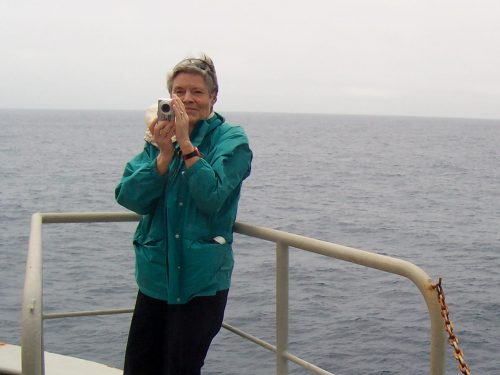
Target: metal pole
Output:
[(88, 217), (281, 308), (86, 313), (32, 325), (438, 333)]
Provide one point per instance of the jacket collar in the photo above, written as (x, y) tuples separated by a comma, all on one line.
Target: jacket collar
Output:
[(203, 127)]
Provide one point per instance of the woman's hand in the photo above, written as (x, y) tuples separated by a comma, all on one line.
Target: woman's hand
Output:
[(162, 132), (181, 124)]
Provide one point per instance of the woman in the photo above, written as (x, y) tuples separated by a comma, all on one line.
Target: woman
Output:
[(186, 185)]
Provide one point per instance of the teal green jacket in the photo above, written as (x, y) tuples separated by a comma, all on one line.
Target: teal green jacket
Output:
[(187, 214)]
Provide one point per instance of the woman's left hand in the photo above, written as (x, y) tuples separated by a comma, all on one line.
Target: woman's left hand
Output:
[(181, 121)]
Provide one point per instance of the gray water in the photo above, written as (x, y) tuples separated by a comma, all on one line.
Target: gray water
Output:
[(422, 189)]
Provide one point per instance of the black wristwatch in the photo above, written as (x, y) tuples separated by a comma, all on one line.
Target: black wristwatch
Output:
[(192, 154)]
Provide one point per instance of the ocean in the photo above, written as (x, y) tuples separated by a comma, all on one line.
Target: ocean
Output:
[(426, 190)]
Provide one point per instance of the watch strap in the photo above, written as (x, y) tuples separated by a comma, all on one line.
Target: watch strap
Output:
[(192, 154)]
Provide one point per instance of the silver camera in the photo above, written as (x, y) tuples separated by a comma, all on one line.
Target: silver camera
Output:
[(165, 111)]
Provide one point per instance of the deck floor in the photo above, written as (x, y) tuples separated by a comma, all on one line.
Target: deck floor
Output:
[(55, 364)]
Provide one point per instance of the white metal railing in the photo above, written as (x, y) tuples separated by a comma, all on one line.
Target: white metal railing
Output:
[(33, 316)]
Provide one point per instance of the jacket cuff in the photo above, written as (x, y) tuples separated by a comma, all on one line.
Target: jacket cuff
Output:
[(189, 172)]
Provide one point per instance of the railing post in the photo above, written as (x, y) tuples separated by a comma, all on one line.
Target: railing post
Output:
[(32, 324), (438, 336), (281, 308)]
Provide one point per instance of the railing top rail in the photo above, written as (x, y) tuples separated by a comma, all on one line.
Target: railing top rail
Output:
[(349, 254), (87, 217)]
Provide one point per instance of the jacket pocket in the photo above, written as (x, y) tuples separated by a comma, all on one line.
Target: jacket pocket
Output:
[(150, 266), (204, 262), (150, 250)]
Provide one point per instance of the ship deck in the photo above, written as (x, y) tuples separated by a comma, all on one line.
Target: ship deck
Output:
[(55, 364)]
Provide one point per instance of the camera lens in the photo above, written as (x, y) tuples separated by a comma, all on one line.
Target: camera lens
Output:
[(165, 107)]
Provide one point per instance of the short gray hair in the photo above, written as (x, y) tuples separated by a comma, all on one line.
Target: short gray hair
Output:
[(202, 66)]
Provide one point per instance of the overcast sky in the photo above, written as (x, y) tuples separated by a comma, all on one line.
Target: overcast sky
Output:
[(390, 57)]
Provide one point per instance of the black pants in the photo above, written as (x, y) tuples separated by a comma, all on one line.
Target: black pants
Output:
[(172, 339)]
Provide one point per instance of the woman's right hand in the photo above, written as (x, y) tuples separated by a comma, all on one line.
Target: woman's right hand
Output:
[(162, 132)]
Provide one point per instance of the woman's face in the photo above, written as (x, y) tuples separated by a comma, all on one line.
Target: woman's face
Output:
[(193, 91)]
